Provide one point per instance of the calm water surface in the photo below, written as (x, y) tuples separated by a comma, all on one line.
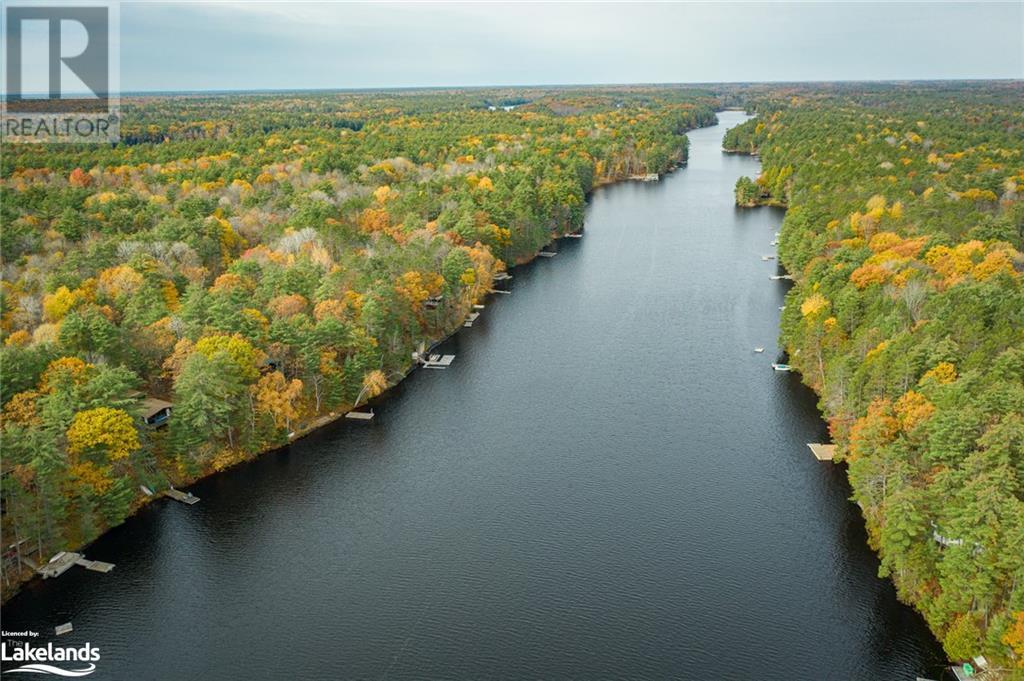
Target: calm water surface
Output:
[(608, 482)]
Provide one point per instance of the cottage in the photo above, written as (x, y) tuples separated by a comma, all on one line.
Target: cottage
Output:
[(156, 412)]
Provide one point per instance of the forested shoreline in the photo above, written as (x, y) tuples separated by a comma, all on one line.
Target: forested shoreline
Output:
[(264, 263), (904, 233)]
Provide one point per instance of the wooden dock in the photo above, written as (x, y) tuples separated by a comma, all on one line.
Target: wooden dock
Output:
[(504, 293), (574, 235), (95, 565), (183, 497), (63, 561), (822, 452), (781, 277), (547, 254), (478, 307), (438, 361), (360, 415), (473, 316), (59, 564), (502, 276)]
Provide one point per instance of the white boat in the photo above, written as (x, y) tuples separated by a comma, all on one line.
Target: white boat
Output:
[(758, 349), (781, 367)]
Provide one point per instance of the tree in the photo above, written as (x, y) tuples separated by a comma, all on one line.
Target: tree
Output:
[(110, 431), (273, 394)]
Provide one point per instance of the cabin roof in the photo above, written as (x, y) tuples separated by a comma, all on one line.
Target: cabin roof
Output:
[(151, 406)]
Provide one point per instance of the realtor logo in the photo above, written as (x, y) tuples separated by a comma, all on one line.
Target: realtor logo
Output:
[(71, 660), (60, 71)]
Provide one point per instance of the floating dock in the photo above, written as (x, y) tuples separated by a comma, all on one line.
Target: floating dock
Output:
[(504, 293), (547, 254), (758, 350), (478, 307), (95, 565), (822, 452), (778, 277), (438, 361), (574, 235), (360, 415), (183, 497), (767, 257), (502, 276), (473, 316)]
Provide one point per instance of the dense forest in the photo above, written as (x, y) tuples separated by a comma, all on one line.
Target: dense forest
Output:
[(904, 233), (263, 263)]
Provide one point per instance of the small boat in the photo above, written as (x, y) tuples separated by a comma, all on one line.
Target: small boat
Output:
[(774, 243), (781, 367), (758, 349)]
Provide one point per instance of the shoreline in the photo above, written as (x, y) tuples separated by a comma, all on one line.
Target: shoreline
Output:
[(824, 417), (323, 420)]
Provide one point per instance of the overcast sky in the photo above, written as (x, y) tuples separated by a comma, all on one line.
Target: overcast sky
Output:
[(237, 46)]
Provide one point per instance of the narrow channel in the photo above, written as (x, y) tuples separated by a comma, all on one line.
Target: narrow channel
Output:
[(607, 483)]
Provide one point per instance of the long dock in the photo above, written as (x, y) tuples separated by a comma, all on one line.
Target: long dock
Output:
[(183, 497), (65, 560), (360, 415)]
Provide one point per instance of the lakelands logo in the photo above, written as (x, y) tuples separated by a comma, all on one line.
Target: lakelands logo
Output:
[(61, 72), (38, 659)]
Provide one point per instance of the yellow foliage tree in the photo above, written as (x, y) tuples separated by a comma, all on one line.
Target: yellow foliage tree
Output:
[(57, 304), (942, 373), (63, 369), (275, 395), (111, 430), (247, 358), (1014, 637), (912, 409), (119, 281), (813, 304)]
